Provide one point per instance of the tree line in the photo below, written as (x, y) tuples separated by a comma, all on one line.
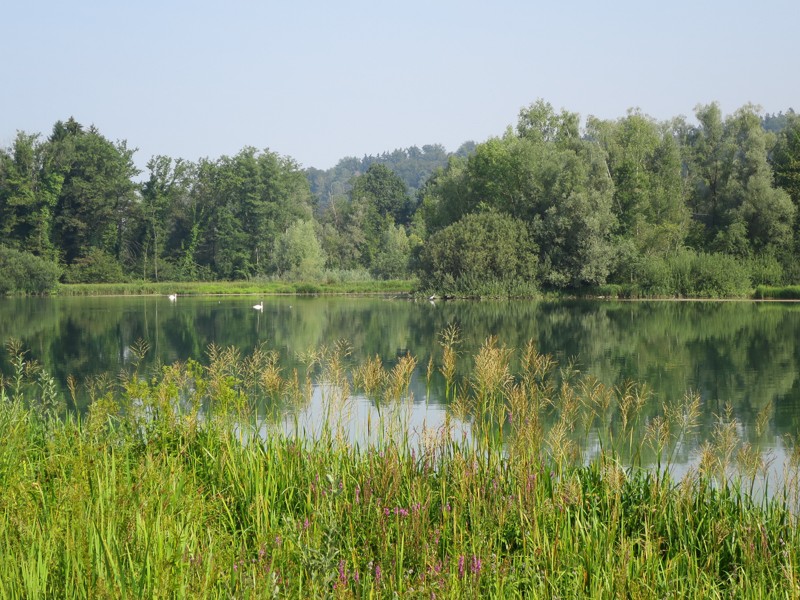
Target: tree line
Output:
[(657, 207)]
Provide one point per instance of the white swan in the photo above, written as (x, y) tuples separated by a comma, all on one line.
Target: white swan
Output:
[(259, 306), (172, 297)]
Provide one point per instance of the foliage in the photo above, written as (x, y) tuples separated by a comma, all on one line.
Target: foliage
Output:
[(29, 189), (331, 282), (297, 253), (480, 246), (97, 196), (173, 486), (96, 266), (392, 259), (644, 162), (242, 205), (690, 274), (22, 272), (549, 178), (768, 292), (383, 190), (614, 201), (412, 165)]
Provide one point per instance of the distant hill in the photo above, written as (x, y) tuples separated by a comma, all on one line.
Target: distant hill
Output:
[(413, 165)]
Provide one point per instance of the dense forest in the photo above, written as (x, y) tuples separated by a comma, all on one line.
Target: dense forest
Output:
[(700, 208)]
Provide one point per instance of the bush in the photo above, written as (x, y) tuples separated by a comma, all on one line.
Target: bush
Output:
[(765, 270), (479, 248), (307, 288), (97, 266), (392, 258), (719, 276), (297, 253), (22, 272), (787, 292), (690, 274)]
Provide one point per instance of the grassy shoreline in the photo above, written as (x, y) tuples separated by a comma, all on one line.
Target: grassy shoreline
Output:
[(235, 288), (178, 484), (402, 286)]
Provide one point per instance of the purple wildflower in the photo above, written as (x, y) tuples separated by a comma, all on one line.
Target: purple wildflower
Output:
[(377, 572), (475, 567), (461, 566)]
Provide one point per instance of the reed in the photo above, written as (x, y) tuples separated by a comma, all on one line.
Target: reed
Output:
[(328, 285), (179, 483)]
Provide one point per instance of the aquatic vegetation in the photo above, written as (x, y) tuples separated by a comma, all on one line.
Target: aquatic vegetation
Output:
[(202, 481)]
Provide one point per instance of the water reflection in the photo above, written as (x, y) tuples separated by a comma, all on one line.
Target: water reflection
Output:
[(742, 354)]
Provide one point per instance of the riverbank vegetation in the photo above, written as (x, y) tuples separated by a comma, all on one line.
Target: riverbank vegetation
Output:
[(191, 482), (672, 208), (332, 285)]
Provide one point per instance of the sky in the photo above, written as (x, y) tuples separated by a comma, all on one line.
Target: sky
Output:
[(321, 80)]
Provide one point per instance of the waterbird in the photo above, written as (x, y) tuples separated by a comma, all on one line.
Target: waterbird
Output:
[(259, 306), (172, 297)]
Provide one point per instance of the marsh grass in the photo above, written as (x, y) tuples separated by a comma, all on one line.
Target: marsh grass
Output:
[(201, 481), (327, 285)]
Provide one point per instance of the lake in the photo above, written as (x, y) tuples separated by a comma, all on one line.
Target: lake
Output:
[(742, 354)]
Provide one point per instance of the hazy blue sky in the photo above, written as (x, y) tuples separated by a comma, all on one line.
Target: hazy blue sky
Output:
[(319, 80)]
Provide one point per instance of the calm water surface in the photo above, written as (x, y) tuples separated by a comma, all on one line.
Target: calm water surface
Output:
[(744, 354)]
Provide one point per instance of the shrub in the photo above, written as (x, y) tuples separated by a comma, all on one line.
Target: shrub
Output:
[(765, 270), (691, 274), (480, 247), (307, 288), (719, 276), (23, 272), (297, 252), (97, 266), (391, 260)]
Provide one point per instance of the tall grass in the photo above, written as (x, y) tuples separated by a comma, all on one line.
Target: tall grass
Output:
[(197, 481), (333, 283)]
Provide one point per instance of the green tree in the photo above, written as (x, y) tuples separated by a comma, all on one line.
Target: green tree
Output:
[(734, 201), (785, 160), (547, 176), (29, 189), (244, 202), (95, 200), (356, 227), (297, 253), (644, 162), (480, 246), (392, 260), (384, 190), (164, 194)]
